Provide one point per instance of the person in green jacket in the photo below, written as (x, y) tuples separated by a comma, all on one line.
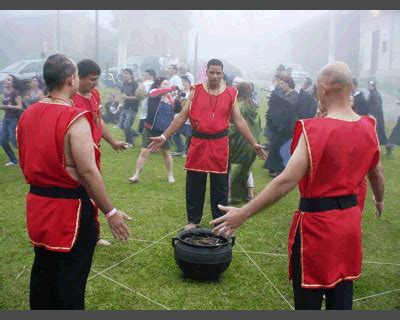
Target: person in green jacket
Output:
[(241, 154)]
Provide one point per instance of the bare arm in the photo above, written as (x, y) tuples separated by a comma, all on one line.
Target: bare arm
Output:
[(296, 168), (242, 126), (80, 142), (377, 181), (115, 144), (10, 107)]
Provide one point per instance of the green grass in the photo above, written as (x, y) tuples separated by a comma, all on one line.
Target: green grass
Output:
[(149, 279)]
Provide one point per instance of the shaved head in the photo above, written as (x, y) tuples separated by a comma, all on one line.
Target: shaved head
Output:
[(334, 85), (336, 76)]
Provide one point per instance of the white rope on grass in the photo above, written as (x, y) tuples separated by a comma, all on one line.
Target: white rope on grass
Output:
[(385, 263), (136, 253), (265, 276), (376, 295), (134, 291)]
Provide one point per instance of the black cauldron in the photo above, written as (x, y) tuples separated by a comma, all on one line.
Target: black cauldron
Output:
[(200, 259)]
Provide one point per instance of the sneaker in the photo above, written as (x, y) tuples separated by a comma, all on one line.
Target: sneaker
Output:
[(102, 242), (184, 156), (130, 145), (10, 164), (171, 179), (133, 180), (177, 153)]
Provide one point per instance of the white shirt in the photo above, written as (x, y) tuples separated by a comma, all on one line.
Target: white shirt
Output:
[(143, 106), (175, 81)]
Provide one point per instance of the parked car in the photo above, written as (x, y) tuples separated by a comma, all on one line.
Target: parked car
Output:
[(114, 78), (23, 69), (298, 72)]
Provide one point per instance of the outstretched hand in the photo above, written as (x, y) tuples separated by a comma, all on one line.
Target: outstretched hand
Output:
[(259, 149), (379, 206), (120, 146), (228, 223), (118, 227), (156, 144)]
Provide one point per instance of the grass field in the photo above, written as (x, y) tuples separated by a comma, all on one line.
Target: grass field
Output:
[(141, 274)]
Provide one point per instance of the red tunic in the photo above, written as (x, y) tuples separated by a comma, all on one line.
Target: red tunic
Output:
[(52, 223), (210, 114), (341, 153), (91, 104)]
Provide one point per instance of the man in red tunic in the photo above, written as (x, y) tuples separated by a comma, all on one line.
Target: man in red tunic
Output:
[(209, 108), (331, 156), (58, 160), (88, 98)]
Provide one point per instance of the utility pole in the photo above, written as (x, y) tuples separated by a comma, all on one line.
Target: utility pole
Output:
[(58, 31), (331, 53), (196, 43), (96, 36)]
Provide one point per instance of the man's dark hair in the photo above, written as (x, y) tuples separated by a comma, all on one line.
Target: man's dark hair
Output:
[(308, 81), (174, 66), (88, 67), (151, 73), (129, 70), (215, 62), (289, 81), (56, 69)]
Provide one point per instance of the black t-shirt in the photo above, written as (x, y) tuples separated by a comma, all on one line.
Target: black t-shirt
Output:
[(10, 99), (129, 89)]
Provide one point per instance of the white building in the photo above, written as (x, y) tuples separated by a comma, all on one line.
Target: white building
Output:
[(380, 43)]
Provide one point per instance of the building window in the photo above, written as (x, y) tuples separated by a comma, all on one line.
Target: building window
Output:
[(384, 46)]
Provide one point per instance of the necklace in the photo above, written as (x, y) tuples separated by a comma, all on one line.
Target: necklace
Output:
[(55, 98), (216, 100)]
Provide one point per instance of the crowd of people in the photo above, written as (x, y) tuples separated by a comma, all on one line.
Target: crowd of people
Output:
[(220, 121)]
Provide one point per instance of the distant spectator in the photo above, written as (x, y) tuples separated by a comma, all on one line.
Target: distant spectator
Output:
[(236, 82), (35, 92), (184, 72), (360, 104), (173, 78), (111, 110), (375, 109), (130, 106), (142, 94), (307, 104), (13, 107)]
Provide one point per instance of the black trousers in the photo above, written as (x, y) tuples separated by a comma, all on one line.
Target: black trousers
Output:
[(338, 298), (58, 279), (196, 183)]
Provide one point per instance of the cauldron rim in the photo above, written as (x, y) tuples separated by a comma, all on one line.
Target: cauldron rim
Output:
[(201, 231)]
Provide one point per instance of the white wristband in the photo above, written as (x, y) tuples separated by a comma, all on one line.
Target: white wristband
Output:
[(162, 136), (111, 213)]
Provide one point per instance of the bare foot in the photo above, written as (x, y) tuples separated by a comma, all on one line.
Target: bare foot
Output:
[(191, 226), (102, 242)]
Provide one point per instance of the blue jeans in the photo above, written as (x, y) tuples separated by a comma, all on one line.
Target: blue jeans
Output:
[(8, 135), (126, 120), (185, 130)]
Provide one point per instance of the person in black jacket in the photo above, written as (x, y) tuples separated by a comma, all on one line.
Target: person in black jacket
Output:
[(375, 109), (360, 104), (394, 138), (307, 104), (281, 118)]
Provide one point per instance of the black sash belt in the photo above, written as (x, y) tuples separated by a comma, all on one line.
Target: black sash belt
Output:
[(328, 203), (218, 135), (60, 193)]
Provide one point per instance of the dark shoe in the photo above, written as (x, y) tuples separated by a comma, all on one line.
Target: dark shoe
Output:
[(389, 149)]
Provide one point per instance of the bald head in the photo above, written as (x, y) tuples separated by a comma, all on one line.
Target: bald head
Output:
[(336, 76), (334, 85)]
